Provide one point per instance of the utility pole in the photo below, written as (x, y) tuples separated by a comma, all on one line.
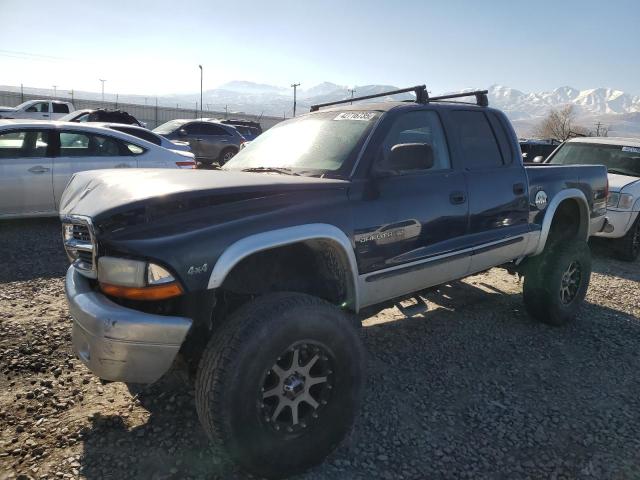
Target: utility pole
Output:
[(352, 90), (71, 92), (102, 88), (21, 93), (116, 100), (598, 125), (200, 91), (295, 87), (226, 111), (55, 91), (156, 111)]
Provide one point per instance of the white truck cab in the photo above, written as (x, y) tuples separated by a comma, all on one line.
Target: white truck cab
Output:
[(38, 110)]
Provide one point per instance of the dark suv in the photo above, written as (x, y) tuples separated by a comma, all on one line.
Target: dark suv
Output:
[(209, 141)]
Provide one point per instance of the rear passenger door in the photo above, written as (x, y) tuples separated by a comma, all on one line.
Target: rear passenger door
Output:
[(25, 172), (497, 185), (79, 151), (214, 140)]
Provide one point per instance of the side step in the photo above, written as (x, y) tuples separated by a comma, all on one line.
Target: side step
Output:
[(420, 306)]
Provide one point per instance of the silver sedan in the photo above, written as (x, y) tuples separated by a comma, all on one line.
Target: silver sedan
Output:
[(38, 158)]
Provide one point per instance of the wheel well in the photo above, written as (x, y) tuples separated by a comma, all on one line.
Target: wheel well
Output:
[(317, 267), (568, 223)]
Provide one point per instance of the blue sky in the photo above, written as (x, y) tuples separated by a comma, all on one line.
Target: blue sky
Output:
[(154, 47)]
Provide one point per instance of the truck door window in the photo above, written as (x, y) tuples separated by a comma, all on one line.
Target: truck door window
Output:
[(477, 141), (42, 107), (416, 127)]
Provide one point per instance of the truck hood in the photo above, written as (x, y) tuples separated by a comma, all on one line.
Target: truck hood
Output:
[(618, 182), (101, 193), (7, 109)]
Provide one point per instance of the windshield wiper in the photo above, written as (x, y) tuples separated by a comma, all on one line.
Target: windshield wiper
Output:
[(285, 171)]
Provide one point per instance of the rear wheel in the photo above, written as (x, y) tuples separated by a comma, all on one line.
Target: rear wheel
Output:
[(628, 247), (278, 386), (226, 155), (556, 282)]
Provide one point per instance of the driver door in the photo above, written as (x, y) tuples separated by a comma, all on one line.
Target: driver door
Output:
[(411, 225), (38, 111)]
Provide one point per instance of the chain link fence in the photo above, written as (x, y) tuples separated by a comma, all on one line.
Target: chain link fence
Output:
[(155, 112)]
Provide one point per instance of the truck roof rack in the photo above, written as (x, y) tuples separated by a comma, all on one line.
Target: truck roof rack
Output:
[(422, 96)]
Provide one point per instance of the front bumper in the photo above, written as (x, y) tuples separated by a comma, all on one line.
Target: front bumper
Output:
[(620, 220), (118, 343)]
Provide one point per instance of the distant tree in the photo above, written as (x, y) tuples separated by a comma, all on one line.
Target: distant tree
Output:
[(559, 125)]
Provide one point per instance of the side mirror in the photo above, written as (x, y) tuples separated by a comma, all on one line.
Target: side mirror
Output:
[(410, 156), (538, 159), (182, 132)]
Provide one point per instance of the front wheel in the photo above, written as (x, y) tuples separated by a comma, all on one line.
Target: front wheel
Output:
[(556, 282), (628, 247), (278, 386)]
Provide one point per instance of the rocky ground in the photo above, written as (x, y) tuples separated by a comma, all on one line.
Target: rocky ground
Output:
[(473, 389)]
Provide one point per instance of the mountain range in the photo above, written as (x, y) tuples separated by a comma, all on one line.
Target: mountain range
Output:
[(612, 108)]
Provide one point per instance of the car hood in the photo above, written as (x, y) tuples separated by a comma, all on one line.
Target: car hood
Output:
[(618, 182), (102, 193)]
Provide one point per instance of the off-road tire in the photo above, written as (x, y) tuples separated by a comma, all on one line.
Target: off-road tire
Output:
[(628, 247), (543, 282), (226, 155), (230, 383)]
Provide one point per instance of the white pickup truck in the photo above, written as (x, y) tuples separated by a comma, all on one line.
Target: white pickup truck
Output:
[(38, 110)]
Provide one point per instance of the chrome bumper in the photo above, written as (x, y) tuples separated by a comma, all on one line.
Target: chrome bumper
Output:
[(119, 343)]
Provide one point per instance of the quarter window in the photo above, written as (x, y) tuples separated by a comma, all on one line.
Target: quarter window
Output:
[(24, 144), (209, 129), (477, 142)]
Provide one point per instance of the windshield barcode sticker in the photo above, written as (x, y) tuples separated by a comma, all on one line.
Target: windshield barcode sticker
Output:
[(364, 116), (631, 149)]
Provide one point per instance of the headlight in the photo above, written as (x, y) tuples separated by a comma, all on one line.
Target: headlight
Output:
[(136, 280), (626, 201), (623, 201)]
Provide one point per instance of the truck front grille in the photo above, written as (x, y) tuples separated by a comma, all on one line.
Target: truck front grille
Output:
[(79, 243)]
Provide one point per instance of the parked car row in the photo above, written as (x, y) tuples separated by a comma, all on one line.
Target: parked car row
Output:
[(37, 159)]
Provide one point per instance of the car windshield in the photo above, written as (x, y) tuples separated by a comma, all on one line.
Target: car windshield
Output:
[(620, 159), (169, 127), (313, 144), (69, 117)]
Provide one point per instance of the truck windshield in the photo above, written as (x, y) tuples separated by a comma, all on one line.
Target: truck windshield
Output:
[(620, 159), (314, 144)]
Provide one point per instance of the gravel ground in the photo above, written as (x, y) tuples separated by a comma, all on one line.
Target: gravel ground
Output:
[(472, 389)]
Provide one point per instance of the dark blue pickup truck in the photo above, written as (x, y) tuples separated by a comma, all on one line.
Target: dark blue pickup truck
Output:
[(250, 277)]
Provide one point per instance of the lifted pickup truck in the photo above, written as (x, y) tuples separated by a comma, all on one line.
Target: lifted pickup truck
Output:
[(251, 275)]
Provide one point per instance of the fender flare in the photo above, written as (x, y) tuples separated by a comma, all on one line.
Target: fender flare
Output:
[(259, 242), (568, 194)]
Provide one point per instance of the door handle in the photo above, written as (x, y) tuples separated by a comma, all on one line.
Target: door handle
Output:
[(45, 115), (457, 198), (518, 188), (39, 169)]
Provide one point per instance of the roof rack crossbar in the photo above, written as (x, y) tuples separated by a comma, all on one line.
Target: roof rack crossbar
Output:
[(481, 97), (420, 90)]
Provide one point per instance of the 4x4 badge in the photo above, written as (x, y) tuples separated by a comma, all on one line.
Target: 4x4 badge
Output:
[(195, 270)]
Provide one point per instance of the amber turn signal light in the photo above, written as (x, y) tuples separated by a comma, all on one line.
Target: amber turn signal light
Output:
[(156, 292)]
